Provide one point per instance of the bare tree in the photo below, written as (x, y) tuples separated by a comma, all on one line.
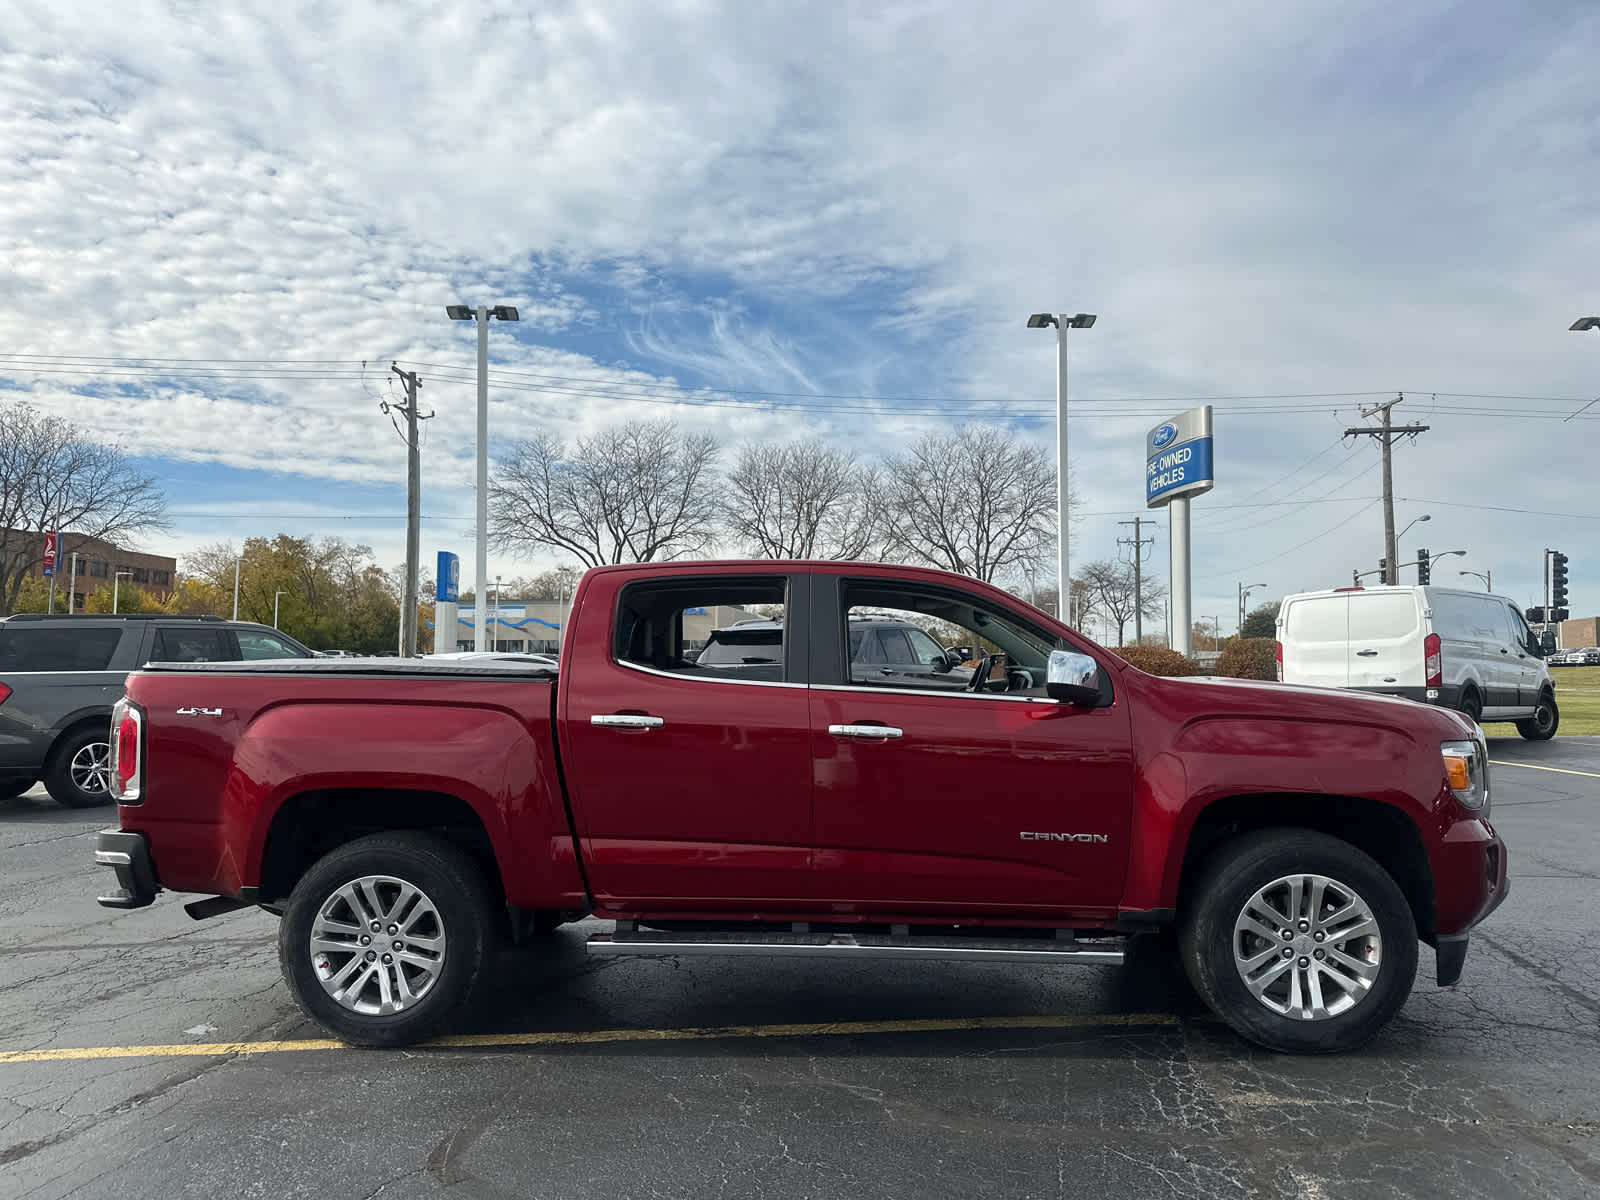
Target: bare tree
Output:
[(1110, 586), (52, 477), (971, 501), (634, 493), (804, 499)]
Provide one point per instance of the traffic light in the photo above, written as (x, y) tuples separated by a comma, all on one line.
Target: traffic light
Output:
[(1383, 570), (1535, 615), (1558, 579), (1424, 570)]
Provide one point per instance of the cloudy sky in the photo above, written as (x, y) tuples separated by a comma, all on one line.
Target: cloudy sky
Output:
[(774, 219)]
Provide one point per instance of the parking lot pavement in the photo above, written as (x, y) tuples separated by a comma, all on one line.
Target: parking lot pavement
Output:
[(618, 1078)]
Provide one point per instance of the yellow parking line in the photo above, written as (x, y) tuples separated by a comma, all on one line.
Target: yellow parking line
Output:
[(1535, 767), (599, 1036)]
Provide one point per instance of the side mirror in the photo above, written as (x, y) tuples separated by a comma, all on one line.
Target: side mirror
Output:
[(1074, 678)]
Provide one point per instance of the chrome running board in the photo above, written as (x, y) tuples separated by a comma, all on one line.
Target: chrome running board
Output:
[(859, 945)]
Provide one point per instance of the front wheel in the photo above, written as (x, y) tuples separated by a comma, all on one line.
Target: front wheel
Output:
[(386, 937), (1546, 719), (1299, 941)]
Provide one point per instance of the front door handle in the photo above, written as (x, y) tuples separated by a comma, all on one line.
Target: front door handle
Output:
[(626, 721), (866, 733), (1366, 654)]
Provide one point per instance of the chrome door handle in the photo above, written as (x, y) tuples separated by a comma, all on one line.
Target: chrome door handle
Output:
[(1366, 653), (866, 733), (626, 721)]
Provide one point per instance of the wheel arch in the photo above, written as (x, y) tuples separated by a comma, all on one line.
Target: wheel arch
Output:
[(312, 823), (1381, 831)]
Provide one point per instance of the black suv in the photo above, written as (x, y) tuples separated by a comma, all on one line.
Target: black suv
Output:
[(60, 675)]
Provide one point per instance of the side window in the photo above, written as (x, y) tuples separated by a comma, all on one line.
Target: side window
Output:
[(254, 644), (733, 629), (916, 627), (188, 645), (45, 648), (1521, 635)]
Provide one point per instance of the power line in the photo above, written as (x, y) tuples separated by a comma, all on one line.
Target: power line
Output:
[(1283, 553)]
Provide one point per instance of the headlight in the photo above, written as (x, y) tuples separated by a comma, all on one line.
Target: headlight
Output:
[(1466, 770)]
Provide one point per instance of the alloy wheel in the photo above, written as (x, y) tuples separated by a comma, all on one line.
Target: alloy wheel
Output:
[(1307, 947), (90, 769), (377, 945)]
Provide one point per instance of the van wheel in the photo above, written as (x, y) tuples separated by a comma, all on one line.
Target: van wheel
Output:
[(385, 938), (1546, 719), (1471, 704), (1299, 941), (79, 774)]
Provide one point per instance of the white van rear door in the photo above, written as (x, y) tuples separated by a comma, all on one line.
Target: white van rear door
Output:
[(1386, 640), (1316, 640)]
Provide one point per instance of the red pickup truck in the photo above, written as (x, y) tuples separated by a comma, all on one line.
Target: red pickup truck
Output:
[(798, 798)]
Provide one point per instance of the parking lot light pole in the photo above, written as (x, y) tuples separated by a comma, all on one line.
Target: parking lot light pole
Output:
[(1244, 599), (481, 314), (1062, 323), (236, 563), (116, 585), (275, 596), (1486, 576)]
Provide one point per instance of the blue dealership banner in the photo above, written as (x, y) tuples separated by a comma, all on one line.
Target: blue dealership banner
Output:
[(447, 579), (1178, 458)]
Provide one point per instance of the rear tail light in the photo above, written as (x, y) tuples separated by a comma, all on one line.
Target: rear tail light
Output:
[(1277, 656), (5, 693), (127, 753), (1432, 661)]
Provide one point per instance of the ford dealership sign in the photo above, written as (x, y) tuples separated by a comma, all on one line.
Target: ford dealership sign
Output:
[(1177, 458)]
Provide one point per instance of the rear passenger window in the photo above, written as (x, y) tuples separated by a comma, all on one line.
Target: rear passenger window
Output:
[(716, 628), (192, 645), (56, 648), (1318, 619)]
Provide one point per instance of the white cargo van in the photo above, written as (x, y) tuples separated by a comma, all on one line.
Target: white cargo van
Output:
[(1465, 650)]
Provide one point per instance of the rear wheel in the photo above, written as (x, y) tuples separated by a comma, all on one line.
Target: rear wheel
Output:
[(79, 774), (1471, 704), (386, 938), (1299, 941), (1546, 719)]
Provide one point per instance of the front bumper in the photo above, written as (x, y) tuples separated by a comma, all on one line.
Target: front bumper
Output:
[(129, 856), (1476, 867)]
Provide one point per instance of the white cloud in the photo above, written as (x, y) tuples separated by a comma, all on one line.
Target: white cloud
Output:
[(834, 199)]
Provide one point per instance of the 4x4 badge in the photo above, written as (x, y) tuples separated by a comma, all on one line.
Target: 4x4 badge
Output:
[(199, 712)]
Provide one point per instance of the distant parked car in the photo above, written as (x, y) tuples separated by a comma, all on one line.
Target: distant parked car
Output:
[(1589, 656), (60, 675)]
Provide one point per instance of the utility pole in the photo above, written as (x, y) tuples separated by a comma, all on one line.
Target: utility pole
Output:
[(1138, 544), (1387, 432), (408, 603)]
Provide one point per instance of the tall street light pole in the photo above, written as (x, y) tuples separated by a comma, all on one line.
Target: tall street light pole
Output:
[(275, 596), (1062, 322), (1486, 576), (1244, 599), (481, 314), (116, 585), (236, 563)]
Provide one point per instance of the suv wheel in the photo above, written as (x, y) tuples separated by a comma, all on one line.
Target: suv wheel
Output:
[(386, 937), (79, 774), (1299, 941), (1546, 719)]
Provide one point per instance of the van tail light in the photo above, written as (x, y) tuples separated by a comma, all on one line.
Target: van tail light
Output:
[(1432, 661), (127, 753), (5, 693), (1277, 656)]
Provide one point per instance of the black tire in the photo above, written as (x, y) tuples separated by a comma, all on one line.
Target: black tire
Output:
[(1546, 719), (1252, 863), (71, 773), (460, 917), (11, 788), (1471, 704)]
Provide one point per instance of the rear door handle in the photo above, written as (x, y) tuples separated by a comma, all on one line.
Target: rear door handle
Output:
[(866, 733), (626, 721), (1366, 654)]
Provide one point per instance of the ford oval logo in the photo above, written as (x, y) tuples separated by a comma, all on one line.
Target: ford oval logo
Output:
[(1164, 435)]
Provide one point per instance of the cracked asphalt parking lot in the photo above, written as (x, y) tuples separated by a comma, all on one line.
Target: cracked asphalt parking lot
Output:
[(609, 1078)]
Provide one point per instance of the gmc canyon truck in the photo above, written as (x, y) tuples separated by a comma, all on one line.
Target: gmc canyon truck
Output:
[(401, 816)]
